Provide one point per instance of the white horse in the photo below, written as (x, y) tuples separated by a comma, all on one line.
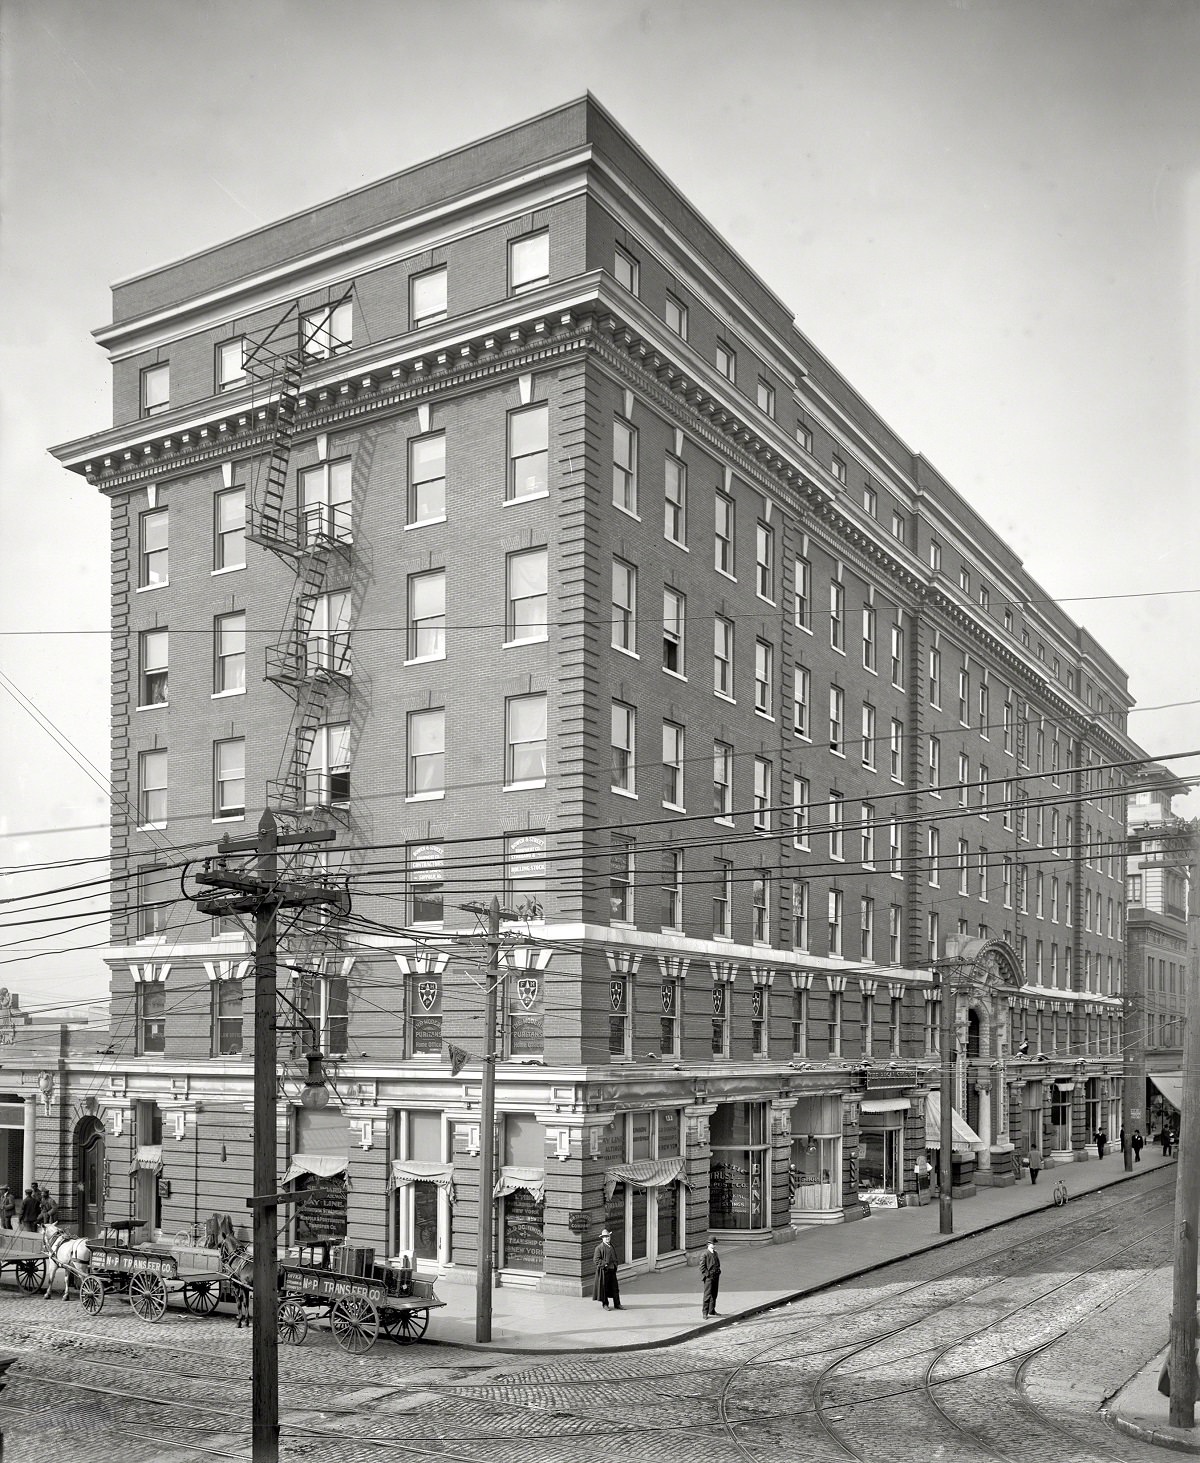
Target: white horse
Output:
[(65, 1254)]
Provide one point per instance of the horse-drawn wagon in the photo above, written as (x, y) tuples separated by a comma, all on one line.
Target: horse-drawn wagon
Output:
[(25, 1252), (358, 1306), (146, 1275)]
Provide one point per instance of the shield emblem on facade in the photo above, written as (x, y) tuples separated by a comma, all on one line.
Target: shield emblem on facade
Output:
[(616, 994), (668, 997), (427, 994), (527, 990), (718, 1000)]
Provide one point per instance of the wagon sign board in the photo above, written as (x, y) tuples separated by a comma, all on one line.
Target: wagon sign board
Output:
[(130, 1262), (330, 1286)]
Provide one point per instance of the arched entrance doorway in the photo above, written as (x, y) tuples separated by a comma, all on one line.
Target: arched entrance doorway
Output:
[(89, 1175)]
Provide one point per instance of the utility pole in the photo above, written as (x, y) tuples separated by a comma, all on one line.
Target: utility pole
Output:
[(946, 1154), (487, 1135), (1187, 1174), (262, 895)]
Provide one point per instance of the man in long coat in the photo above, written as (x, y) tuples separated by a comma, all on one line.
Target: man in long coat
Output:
[(606, 1288), (710, 1274)]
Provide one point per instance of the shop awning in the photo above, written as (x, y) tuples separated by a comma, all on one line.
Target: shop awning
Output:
[(148, 1156), (532, 1180), (885, 1104), (418, 1171), (320, 1165), (963, 1138), (1170, 1084), (645, 1173)]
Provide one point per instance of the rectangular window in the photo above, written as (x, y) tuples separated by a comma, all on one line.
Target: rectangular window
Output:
[(625, 270), (762, 795), (326, 331), (761, 908), (327, 779), (152, 787), (525, 739), (804, 437), (933, 940), (964, 778), (935, 766), (675, 502), (226, 1018), (837, 615), (723, 547), (723, 656), (935, 555), (526, 576), (620, 880), (152, 1016), (427, 478), (720, 1019), (899, 532), (156, 390), (836, 826), (674, 614), (525, 874), (1006, 871), (672, 766), (760, 1026), (723, 900), (868, 637), (427, 296), (935, 858), (152, 681), (528, 453), (231, 363), (427, 616), (866, 920), (870, 501), (625, 488), (157, 891), (983, 790), (677, 317), (964, 696), (802, 583), (726, 361), (1007, 714), (766, 397), (764, 678), (229, 778), (624, 606), (895, 932), (152, 557), (327, 643), (229, 529), (427, 882), (722, 780), (427, 753), (800, 914), (897, 656), (837, 719), (529, 262), (895, 854), (673, 894), (624, 748), (801, 700), (229, 653), (896, 751), (867, 835), (834, 925), (325, 506), (868, 736), (964, 867), (838, 468), (764, 561), (935, 676), (800, 812)]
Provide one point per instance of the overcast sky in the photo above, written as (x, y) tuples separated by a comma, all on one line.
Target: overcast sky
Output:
[(985, 214)]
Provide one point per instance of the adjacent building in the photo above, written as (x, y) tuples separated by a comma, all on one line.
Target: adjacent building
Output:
[(500, 518)]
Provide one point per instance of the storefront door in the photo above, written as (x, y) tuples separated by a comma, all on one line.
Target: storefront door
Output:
[(739, 1167), (1060, 1118), (89, 1175)]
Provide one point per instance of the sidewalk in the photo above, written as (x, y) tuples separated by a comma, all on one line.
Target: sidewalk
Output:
[(665, 1306)]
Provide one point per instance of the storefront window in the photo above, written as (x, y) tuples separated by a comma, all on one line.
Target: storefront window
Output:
[(738, 1168), (523, 1221), (1060, 1117)]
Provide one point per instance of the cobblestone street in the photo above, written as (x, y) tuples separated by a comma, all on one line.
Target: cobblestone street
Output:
[(1002, 1345)]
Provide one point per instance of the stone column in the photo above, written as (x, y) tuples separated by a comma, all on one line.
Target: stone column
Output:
[(29, 1144), (984, 1089)]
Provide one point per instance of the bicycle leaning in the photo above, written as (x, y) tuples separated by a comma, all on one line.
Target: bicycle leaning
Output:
[(1060, 1194)]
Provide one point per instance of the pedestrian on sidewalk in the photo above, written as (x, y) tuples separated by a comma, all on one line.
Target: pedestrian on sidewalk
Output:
[(8, 1207), (1101, 1141), (1136, 1143), (1035, 1164), (710, 1274), (29, 1212), (606, 1288), (1168, 1142)]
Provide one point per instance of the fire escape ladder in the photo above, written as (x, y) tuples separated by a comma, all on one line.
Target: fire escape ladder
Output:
[(269, 519)]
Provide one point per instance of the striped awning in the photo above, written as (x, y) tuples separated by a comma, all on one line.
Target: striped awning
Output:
[(644, 1173), (147, 1157), (963, 1136), (418, 1171)]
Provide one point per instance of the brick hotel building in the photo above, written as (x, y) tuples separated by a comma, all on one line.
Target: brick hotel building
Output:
[(499, 517)]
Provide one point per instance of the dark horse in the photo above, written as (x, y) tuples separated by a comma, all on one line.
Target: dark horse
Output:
[(237, 1269)]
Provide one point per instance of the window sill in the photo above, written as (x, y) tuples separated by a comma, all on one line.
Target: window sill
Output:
[(833, 752), (146, 588), (724, 822), (766, 715), (149, 827), (674, 808), (675, 675), (676, 542), (870, 669), (525, 498), (805, 629), (533, 640), (424, 523), (762, 598), (220, 695), (624, 650), (802, 847), (231, 817), (629, 512), (153, 706), (724, 696), (226, 569), (838, 649), (533, 784), (725, 574), (424, 660), (425, 797), (623, 792)]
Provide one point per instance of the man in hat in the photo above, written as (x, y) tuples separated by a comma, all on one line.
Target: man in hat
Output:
[(8, 1207), (605, 1261), (710, 1274)]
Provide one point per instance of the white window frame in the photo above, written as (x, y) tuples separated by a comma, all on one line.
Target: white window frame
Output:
[(513, 706), (529, 262), (623, 743), (426, 745)]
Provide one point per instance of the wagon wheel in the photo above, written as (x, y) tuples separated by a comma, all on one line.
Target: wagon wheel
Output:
[(202, 1296), (148, 1296), (293, 1321), (91, 1293), (355, 1324), (405, 1325), (31, 1274)]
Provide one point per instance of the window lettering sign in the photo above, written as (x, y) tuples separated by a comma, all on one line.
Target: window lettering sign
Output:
[(321, 1214), (524, 1232)]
